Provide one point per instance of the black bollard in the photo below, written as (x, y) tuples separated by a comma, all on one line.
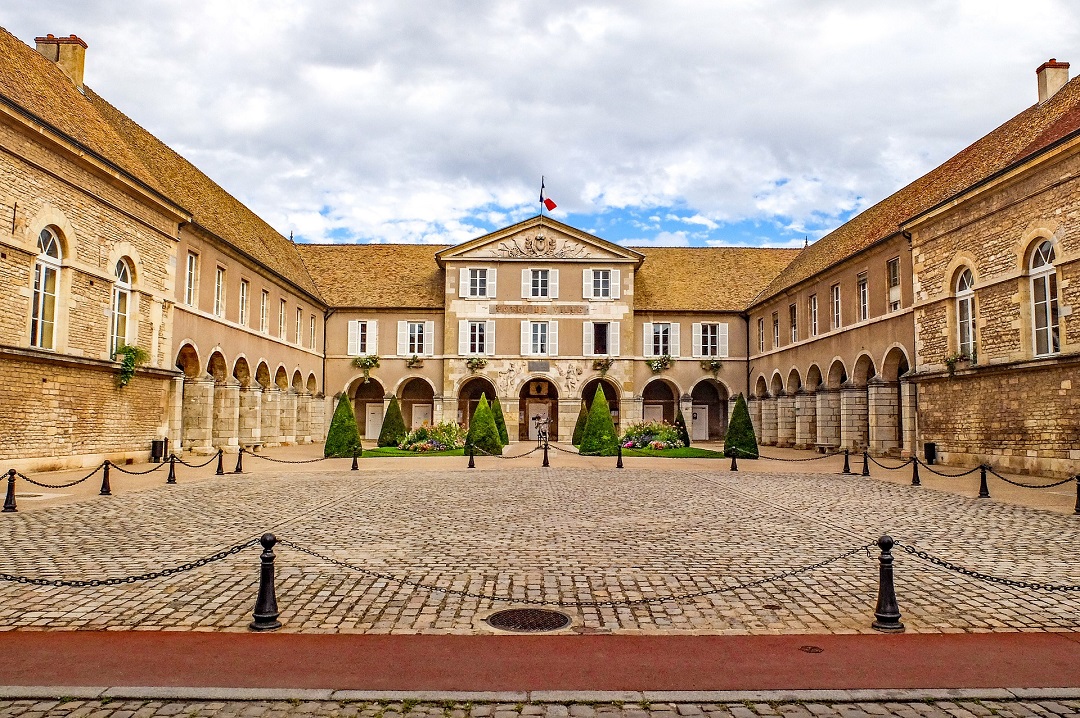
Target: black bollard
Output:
[(172, 469), (618, 464), (239, 462), (887, 612), (734, 463), (266, 611), (1076, 509), (984, 491), (9, 500), (915, 471), (472, 456), (546, 455), (847, 464), (220, 469), (865, 463), (355, 466), (106, 489)]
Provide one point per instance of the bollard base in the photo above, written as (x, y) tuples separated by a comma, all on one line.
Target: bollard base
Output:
[(888, 626), (261, 625)]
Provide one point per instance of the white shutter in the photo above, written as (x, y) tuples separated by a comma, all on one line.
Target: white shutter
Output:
[(697, 340), (402, 338), (674, 339), (354, 338), (553, 283), (526, 338), (616, 283), (489, 337), (526, 283), (372, 337), (647, 340), (491, 283), (613, 339), (429, 338), (553, 339), (587, 338), (463, 282), (463, 337), (586, 284), (721, 340)]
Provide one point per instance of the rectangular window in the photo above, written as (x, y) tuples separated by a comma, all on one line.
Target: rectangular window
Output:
[(761, 334), (836, 306), (661, 338), (793, 320), (893, 270), (358, 338), (478, 282), (416, 338), (245, 288), (264, 312), (120, 317), (601, 331), (710, 340), (299, 320), (601, 283), (191, 279), (864, 297), (539, 343), (43, 319), (813, 315), (281, 320), (219, 293), (775, 330), (966, 320), (540, 285), (311, 331), (478, 338)]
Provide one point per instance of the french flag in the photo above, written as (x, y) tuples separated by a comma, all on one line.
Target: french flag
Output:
[(545, 200)]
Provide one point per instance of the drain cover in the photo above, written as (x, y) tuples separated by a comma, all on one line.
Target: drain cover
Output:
[(811, 649), (528, 620)]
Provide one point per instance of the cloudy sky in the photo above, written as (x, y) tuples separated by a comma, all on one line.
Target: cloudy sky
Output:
[(664, 122)]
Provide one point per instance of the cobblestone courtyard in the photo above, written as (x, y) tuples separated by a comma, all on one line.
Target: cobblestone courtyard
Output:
[(561, 535)]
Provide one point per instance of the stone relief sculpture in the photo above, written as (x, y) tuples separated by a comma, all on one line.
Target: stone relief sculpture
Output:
[(541, 247)]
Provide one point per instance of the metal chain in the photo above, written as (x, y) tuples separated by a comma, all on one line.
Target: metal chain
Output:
[(747, 455), (24, 477), (132, 579), (137, 473), (1031, 486), (500, 456), (293, 461), (577, 604), (197, 466), (891, 468), (575, 453), (1035, 585), (950, 476)]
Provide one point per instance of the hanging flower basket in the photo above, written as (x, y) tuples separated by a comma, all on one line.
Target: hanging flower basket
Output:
[(660, 363), (603, 365), (367, 363), (475, 364), (713, 366)]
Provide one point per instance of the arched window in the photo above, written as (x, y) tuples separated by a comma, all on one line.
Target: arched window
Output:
[(46, 281), (1044, 300), (965, 314), (120, 305)]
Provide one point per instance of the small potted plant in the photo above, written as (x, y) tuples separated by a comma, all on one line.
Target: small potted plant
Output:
[(603, 365), (475, 364), (713, 366), (660, 363), (414, 362), (367, 363)]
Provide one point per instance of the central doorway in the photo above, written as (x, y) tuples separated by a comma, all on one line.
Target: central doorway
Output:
[(368, 407), (538, 398), (417, 403)]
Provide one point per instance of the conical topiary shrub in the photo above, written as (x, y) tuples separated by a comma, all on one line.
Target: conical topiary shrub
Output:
[(599, 437), (343, 437), (740, 438), (483, 434), (500, 421), (579, 427), (680, 424), (393, 426)]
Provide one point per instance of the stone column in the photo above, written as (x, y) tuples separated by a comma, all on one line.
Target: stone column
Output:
[(785, 420), (174, 424), (910, 423), (227, 415), (805, 420), (853, 418), (287, 431), (768, 421), (318, 418), (303, 418), (271, 416), (828, 417), (883, 407), (250, 415), (198, 415), (753, 406)]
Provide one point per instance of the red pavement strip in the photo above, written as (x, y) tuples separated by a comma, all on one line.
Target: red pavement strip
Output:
[(504, 663)]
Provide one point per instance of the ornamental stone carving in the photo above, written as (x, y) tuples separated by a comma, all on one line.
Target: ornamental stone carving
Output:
[(541, 247)]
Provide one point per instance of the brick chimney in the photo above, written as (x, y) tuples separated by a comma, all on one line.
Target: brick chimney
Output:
[(1052, 77), (69, 53)]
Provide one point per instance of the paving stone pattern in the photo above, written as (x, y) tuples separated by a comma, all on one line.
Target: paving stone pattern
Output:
[(550, 535)]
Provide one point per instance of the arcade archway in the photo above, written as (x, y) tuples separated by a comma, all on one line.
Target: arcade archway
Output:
[(367, 398), (659, 401), (417, 403), (469, 398), (709, 417), (539, 400), (611, 394)]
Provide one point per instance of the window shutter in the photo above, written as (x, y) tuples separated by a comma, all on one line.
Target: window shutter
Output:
[(372, 337), (489, 337), (613, 339), (616, 283), (696, 339), (354, 338), (463, 337), (429, 338), (463, 282), (586, 284), (553, 338), (674, 339), (647, 340), (491, 283), (587, 338), (721, 340), (553, 283), (526, 338), (402, 338), (526, 283)]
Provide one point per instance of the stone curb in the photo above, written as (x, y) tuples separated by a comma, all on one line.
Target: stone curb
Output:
[(194, 693)]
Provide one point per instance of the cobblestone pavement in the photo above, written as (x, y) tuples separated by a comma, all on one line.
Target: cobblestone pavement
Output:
[(599, 536), (451, 709)]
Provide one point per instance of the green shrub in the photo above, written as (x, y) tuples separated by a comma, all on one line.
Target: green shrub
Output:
[(441, 437), (579, 427), (343, 437), (483, 434), (500, 421), (393, 426), (651, 435), (740, 437), (680, 424), (599, 437)]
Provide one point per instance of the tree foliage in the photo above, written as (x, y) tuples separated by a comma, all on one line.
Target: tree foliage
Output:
[(740, 437), (500, 421), (680, 424), (393, 425), (483, 434), (343, 437), (579, 427), (599, 437)]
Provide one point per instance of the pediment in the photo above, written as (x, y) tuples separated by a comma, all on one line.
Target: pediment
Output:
[(539, 238)]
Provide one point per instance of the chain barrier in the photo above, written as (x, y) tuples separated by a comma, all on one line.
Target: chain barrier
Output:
[(500, 456), (24, 477), (744, 454), (292, 461), (1034, 585), (950, 476), (1031, 486), (122, 470), (576, 453), (197, 466), (577, 604), (891, 468), (235, 549)]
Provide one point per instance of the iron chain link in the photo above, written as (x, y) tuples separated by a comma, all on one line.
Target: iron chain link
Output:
[(891, 468), (122, 470), (1034, 585), (293, 461), (24, 477), (744, 454), (197, 466), (1031, 486), (500, 456)]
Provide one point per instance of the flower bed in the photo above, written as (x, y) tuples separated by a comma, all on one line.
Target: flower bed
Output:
[(656, 435), (441, 437)]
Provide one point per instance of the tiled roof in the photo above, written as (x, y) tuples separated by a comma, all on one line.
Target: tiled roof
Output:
[(705, 278), (1008, 143), (377, 275)]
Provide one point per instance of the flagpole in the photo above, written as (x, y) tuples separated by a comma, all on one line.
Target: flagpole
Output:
[(541, 199)]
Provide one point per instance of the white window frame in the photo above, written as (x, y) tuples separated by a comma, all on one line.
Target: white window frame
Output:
[(813, 315), (471, 280), (862, 284), (540, 284), (363, 337), (281, 320), (529, 347), (245, 301), (588, 339), (311, 331), (776, 330), (793, 319), (538, 339), (892, 279), (219, 293), (761, 335), (1044, 281), (191, 281), (413, 341), (965, 313), (710, 340), (837, 315), (299, 337), (264, 312), (46, 290), (121, 306), (661, 339)]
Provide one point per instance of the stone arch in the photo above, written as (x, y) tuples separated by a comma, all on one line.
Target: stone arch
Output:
[(187, 360), (217, 367), (242, 371), (776, 386), (709, 410), (794, 381), (367, 398), (312, 384), (469, 394), (1036, 234), (895, 364), (813, 378), (837, 374), (761, 388), (281, 378), (416, 396), (298, 382), (413, 377), (129, 254), (49, 217), (538, 394), (660, 399), (262, 375), (611, 394), (864, 370)]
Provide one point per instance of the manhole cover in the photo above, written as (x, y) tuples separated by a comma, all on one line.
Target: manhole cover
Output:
[(528, 620), (811, 649)]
